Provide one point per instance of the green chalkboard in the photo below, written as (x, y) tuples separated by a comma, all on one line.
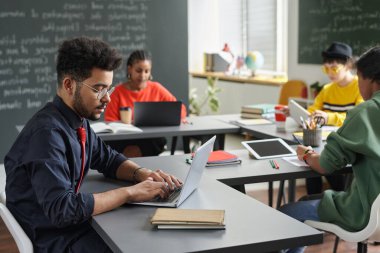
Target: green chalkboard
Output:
[(32, 30), (355, 22)]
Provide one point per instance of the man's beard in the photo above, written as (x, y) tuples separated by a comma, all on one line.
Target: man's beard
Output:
[(81, 109)]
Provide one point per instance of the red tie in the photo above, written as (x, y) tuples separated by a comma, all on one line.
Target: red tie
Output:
[(82, 137)]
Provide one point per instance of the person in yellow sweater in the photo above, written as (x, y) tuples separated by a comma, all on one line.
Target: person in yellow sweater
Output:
[(334, 100), (342, 94)]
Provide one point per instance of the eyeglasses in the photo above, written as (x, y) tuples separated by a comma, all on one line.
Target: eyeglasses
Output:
[(333, 69), (101, 93)]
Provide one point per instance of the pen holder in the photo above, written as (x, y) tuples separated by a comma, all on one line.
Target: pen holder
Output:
[(312, 137)]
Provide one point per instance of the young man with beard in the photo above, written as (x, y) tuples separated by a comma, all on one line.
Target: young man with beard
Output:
[(49, 159)]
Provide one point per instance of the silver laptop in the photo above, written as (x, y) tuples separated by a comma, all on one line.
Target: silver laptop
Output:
[(297, 112), (192, 179)]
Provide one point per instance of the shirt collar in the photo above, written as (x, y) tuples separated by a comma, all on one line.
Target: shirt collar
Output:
[(72, 118)]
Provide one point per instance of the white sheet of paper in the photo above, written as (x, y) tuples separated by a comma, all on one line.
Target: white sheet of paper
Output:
[(294, 160)]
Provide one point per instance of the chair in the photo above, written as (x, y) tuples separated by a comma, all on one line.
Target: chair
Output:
[(292, 88), (23, 242), (370, 233), (2, 197)]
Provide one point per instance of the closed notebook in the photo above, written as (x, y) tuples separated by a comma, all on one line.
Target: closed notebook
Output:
[(220, 157), (169, 218), (251, 122), (258, 108), (245, 115)]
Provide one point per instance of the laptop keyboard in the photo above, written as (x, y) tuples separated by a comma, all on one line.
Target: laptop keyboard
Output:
[(172, 196)]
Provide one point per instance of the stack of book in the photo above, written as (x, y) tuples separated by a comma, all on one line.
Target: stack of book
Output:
[(169, 218), (258, 111), (219, 158)]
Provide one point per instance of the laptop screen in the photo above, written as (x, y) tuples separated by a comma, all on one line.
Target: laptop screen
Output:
[(192, 179), (166, 113)]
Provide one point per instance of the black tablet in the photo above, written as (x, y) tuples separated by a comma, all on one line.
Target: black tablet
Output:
[(269, 148)]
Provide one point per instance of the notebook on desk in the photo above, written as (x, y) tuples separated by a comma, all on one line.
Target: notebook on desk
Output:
[(192, 180), (166, 113)]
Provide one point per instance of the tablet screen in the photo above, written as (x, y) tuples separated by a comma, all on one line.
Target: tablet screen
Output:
[(269, 148)]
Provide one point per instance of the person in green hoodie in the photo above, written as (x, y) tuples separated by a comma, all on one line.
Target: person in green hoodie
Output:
[(357, 143)]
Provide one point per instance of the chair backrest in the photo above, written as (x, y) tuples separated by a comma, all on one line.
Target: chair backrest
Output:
[(2, 197), (370, 232), (374, 221), (23, 242), (292, 88)]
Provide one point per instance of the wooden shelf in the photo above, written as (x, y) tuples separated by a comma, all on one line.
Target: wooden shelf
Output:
[(258, 79)]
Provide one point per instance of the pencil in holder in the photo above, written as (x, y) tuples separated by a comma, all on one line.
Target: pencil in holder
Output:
[(312, 137)]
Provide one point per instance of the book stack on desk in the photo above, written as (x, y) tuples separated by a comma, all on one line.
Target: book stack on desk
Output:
[(258, 111), (169, 218), (220, 158)]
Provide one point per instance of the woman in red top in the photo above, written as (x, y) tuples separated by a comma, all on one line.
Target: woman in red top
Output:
[(138, 88)]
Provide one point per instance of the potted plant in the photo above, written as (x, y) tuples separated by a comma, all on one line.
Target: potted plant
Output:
[(210, 97), (316, 88)]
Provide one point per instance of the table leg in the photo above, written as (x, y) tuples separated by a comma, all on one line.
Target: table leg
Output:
[(221, 138), (292, 190), (240, 188), (174, 145), (270, 193), (186, 144)]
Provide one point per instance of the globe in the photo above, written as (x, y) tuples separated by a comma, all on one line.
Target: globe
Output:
[(254, 60)]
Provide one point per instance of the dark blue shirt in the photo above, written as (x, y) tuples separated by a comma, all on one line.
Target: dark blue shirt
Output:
[(42, 169)]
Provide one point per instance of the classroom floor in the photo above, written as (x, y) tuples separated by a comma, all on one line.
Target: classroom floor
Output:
[(257, 191)]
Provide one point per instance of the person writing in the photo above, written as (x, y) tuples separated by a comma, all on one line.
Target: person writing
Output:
[(51, 156), (357, 143), (138, 88)]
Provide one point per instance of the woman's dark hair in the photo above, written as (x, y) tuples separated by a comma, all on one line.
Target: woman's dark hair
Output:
[(369, 64), (138, 55), (77, 57)]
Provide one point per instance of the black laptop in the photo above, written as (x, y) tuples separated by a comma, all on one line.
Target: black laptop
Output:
[(166, 113)]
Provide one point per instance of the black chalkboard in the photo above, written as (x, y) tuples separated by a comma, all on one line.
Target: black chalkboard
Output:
[(355, 22), (32, 30)]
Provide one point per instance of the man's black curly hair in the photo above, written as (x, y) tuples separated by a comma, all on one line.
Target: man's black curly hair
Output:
[(369, 64), (77, 57)]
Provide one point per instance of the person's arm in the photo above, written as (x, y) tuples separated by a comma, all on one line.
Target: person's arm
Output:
[(309, 156), (51, 177), (152, 184), (335, 118), (106, 201)]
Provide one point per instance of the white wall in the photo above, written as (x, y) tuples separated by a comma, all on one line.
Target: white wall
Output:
[(204, 36), (204, 29), (234, 95)]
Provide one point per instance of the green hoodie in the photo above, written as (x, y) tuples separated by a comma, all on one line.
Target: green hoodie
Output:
[(357, 142)]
